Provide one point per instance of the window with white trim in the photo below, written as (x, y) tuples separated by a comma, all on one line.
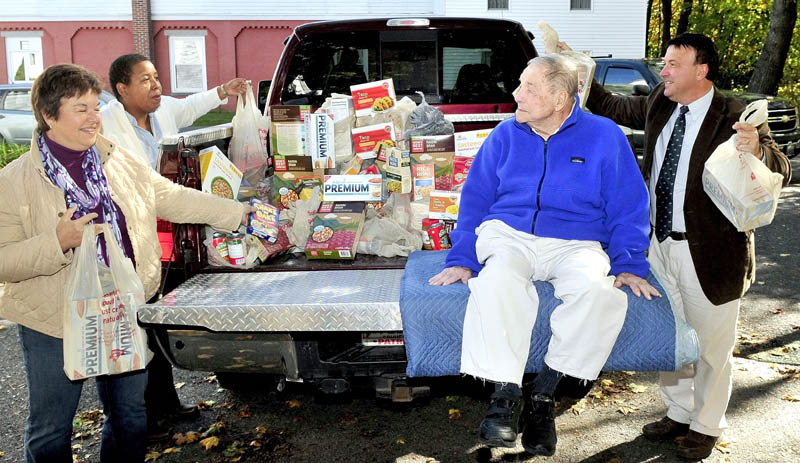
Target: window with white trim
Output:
[(187, 61), (580, 4), (498, 5), (23, 55)]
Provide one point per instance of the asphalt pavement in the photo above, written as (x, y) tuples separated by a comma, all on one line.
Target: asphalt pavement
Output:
[(262, 425)]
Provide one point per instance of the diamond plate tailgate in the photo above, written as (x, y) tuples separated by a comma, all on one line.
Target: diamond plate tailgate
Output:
[(334, 300)]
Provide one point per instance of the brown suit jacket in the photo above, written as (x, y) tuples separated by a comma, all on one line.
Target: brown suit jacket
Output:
[(724, 258)]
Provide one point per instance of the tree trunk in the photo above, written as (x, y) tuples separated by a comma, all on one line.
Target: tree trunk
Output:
[(683, 20), (769, 68), (666, 24), (647, 26)]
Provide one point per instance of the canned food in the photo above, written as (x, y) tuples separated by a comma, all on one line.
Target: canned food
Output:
[(236, 249), (220, 243)]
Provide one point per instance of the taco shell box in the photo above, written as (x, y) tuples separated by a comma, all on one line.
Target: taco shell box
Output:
[(220, 177), (335, 230), (438, 150), (263, 220), (319, 143), (366, 139), (293, 179), (373, 97), (444, 205), (287, 129)]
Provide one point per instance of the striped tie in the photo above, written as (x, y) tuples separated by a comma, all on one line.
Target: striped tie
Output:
[(666, 178)]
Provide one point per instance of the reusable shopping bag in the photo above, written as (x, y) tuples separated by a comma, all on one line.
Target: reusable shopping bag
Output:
[(101, 334), (738, 183), (248, 147)]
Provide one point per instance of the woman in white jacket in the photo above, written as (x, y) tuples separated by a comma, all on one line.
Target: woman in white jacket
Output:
[(141, 116), (137, 121)]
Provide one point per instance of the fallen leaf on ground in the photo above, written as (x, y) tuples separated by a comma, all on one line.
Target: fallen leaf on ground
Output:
[(152, 456), (629, 373), (188, 438), (261, 430), (579, 407), (171, 450), (294, 403), (451, 398), (179, 385), (210, 379), (722, 447), (215, 428), (627, 410), (777, 311), (454, 414), (205, 404), (245, 413), (400, 441), (597, 395), (637, 388), (255, 444), (209, 442), (791, 398), (607, 382)]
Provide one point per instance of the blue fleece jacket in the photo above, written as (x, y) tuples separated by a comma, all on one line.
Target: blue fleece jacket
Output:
[(581, 184)]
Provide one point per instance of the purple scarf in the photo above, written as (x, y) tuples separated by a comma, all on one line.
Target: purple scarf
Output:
[(96, 189)]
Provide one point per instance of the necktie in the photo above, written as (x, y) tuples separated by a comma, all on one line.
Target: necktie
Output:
[(666, 178)]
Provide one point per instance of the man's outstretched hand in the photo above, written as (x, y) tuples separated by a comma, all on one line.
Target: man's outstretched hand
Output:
[(451, 275), (638, 285)]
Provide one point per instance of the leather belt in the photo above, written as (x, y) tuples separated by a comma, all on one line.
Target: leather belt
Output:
[(678, 236)]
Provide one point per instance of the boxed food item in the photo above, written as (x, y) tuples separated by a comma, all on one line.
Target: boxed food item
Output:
[(335, 230), (444, 205), (263, 220), (461, 167), (219, 175), (438, 150), (422, 181), (293, 179), (397, 170), (373, 97), (287, 129), (468, 143), (367, 138), (352, 188), (319, 144)]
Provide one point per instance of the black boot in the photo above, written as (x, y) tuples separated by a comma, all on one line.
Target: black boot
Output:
[(539, 425), (499, 426)]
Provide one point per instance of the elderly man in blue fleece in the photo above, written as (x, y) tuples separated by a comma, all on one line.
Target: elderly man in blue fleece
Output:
[(555, 195)]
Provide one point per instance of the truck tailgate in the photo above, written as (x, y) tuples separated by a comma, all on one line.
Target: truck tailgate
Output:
[(328, 300)]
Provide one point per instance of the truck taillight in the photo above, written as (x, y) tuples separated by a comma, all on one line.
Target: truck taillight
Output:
[(408, 22)]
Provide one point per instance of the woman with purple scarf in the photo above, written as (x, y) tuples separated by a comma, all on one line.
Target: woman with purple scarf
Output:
[(71, 177)]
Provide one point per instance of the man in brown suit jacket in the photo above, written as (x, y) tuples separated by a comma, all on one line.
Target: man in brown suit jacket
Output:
[(704, 263)]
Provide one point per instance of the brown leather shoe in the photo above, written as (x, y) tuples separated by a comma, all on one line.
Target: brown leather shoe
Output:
[(696, 446), (665, 428)]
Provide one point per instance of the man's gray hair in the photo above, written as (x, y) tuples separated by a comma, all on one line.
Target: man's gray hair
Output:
[(560, 73)]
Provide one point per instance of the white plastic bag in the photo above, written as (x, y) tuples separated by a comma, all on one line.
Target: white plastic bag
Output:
[(248, 147), (101, 333), (390, 234), (738, 183)]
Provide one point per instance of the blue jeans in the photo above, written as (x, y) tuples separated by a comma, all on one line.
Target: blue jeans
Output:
[(53, 401)]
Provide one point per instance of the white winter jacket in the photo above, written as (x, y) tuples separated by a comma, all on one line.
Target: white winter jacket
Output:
[(31, 261), (173, 114)]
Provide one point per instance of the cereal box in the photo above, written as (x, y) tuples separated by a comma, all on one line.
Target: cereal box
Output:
[(367, 138), (438, 150), (319, 143), (220, 177), (352, 188), (373, 97), (263, 220), (335, 230), (444, 205), (287, 129)]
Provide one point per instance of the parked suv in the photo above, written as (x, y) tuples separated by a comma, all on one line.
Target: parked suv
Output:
[(640, 76), (16, 117)]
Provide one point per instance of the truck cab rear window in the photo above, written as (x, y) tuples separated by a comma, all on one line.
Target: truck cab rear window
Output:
[(449, 67)]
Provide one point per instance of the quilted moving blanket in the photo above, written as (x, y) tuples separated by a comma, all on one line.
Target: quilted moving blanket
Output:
[(653, 338)]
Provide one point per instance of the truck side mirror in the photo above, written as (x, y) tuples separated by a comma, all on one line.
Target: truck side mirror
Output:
[(263, 94), (641, 90)]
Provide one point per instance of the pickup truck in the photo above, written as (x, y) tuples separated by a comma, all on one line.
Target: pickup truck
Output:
[(272, 320), (640, 76)]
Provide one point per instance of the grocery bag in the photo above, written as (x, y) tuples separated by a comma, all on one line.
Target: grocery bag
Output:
[(248, 146), (101, 334), (738, 183)]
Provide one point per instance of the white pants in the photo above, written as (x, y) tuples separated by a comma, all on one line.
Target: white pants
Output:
[(503, 304), (697, 394)]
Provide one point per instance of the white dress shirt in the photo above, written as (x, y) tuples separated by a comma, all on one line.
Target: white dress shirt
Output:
[(694, 119)]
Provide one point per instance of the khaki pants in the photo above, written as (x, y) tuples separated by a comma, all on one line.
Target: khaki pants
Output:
[(697, 394), (503, 304)]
